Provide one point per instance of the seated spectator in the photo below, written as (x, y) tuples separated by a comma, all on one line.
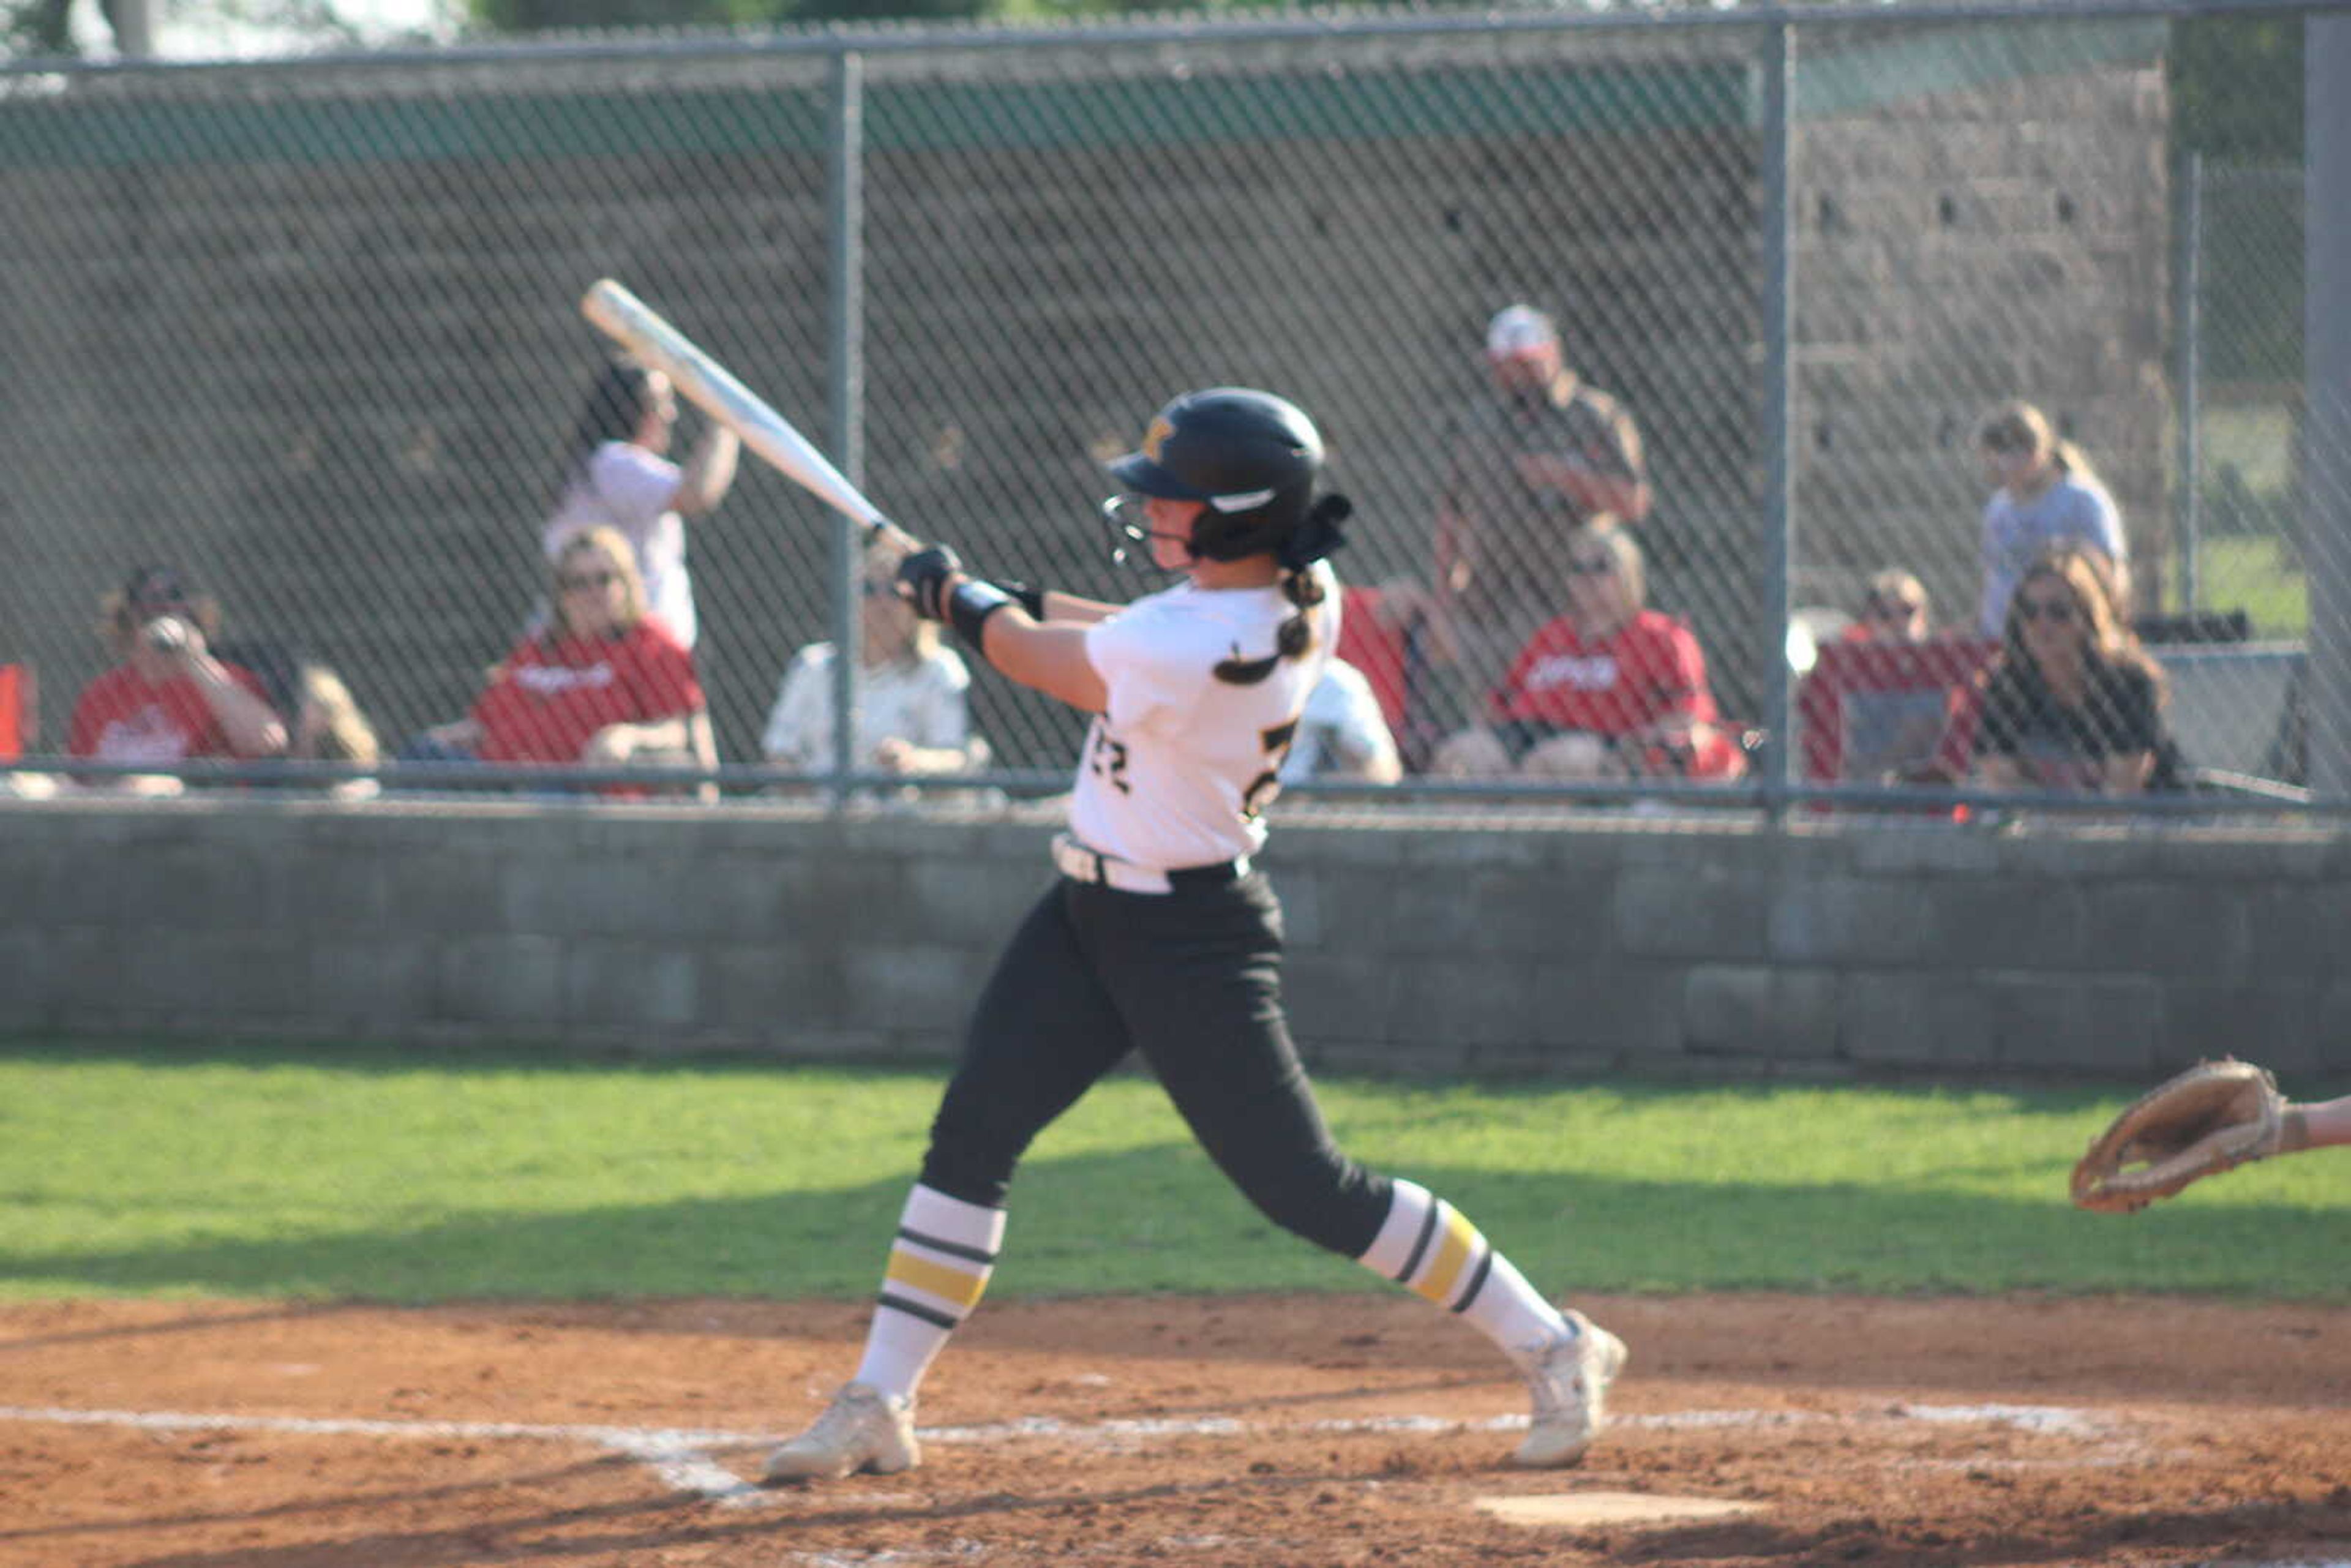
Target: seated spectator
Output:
[(1393, 634), (324, 723), (1894, 610), (911, 690), (20, 732), (169, 700), (1343, 733), (604, 684), (1612, 689), (2072, 702)]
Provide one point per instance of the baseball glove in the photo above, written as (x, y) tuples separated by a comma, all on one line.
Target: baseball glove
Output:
[(2211, 1118)]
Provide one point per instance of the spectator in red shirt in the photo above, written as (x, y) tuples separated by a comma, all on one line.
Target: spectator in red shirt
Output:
[(604, 684), (1611, 689), (170, 700)]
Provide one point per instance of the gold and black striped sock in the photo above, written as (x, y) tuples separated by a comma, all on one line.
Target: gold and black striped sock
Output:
[(939, 1265)]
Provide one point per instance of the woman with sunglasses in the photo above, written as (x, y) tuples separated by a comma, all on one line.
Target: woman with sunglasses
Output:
[(1609, 689), (1162, 937), (2072, 702), (2046, 496), (603, 683)]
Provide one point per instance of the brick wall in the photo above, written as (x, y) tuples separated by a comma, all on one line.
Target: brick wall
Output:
[(1415, 947)]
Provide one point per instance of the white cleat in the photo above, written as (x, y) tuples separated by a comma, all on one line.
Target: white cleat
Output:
[(862, 1429), (1570, 1383)]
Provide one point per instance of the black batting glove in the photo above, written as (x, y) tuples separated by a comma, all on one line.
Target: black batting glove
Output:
[(923, 577), (1031, 599)]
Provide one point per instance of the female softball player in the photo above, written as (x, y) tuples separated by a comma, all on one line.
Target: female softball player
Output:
[(1159, 936)]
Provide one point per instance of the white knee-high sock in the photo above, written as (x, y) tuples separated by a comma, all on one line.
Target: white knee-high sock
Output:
[(1430, 1247), (939, 1265)]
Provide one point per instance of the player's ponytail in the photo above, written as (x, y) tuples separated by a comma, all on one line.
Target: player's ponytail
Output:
[(1316, 535)]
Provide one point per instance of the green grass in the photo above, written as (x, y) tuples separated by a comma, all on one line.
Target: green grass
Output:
[(2248, 572), (404, 1176)]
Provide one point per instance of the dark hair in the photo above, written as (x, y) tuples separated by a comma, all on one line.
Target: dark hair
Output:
[(1304, 589), (616, 404)]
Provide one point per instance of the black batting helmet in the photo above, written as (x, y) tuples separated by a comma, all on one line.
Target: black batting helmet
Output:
[(1250, 456)]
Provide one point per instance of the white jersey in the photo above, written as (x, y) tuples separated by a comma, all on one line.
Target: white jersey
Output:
[(919, 699), (1179, 766), (627, 488)]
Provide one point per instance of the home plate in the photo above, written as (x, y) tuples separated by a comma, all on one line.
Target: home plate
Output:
[(1590, 1508)]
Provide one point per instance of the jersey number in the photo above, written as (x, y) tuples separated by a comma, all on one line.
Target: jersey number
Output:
[(1109, 762), (1268, 784)]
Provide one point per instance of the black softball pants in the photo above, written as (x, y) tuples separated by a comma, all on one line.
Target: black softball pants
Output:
[(1190, 978)]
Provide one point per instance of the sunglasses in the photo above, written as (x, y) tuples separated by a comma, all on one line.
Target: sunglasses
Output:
[(2056, 611), (1591, 566), (1895, 609), (577, 580)]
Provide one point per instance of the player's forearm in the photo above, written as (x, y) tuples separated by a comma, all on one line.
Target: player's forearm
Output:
[(2323, 1126)]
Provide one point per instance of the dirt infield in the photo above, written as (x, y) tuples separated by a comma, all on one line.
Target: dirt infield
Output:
[(1167, 1431)]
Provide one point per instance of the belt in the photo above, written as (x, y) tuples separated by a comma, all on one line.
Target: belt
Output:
[(1080, 863)]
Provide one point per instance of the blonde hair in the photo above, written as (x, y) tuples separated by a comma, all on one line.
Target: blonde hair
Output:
[(347, 736), (616, 545), (1894, 588), (1606, 531), (2018, 426)]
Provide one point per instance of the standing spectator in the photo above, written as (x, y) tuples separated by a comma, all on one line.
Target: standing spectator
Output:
[(2072, 702), (1547, 453), (1610, 689), (170, 699), (2045, 495), (605, 683), (912, 716), (617, 475)]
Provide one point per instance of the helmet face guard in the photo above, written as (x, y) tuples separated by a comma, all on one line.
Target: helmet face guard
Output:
[(1129, 531)]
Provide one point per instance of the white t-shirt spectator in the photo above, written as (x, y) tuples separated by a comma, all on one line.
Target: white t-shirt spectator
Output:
[(2071, 511), (917, 700), (1342, 734), (624, 487)]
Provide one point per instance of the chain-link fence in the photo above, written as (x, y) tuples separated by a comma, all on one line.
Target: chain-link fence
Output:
[(307, 337)]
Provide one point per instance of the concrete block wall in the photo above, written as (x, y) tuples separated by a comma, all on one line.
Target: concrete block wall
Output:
[(2007, 239), (1724, 950)]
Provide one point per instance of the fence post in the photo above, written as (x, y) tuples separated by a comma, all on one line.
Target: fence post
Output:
[(2188, 327), (2326, 372), (1778, 320), (846, 345)]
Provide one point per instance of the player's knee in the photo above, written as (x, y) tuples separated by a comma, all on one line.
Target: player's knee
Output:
[(970, 1160), (1329, 1202)]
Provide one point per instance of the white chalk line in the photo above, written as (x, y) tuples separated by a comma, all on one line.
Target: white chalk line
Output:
[(681, 1456)]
